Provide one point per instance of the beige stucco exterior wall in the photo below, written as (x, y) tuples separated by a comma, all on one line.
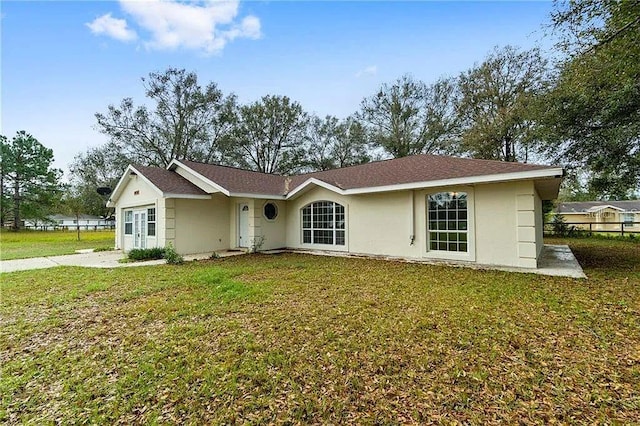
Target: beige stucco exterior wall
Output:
[(504, 228), (201, 225), (508, 224), (496, 224), (274, 232), (378, 224), (137, 194), (381, 224)]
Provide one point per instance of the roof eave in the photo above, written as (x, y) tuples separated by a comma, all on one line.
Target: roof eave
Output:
[(257, 196), (186, 196), (307, 184)]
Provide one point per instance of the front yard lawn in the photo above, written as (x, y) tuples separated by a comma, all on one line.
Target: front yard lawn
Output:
[(25, 244), (310, 339)]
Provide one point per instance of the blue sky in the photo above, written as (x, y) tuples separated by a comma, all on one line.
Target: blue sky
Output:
[(64, 61)]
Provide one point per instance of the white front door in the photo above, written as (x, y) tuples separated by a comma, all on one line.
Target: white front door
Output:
[(243, 225), (139, 230)]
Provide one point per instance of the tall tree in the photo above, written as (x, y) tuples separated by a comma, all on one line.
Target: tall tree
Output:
[(5, 200), (408, 117), (591, 116), (335, 143), (494, 105), (187, 122), (97, 167), (29, 176), (269, 136)]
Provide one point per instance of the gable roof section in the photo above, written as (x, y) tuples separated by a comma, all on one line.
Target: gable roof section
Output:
[(238, 181), (593, 206), (166, 183), (169, 182)]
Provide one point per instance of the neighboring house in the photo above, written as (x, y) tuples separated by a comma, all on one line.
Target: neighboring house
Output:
[(420, 207), (58, 221), (602, 215)]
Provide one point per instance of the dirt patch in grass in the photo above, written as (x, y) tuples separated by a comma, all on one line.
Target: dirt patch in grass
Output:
[(305, 339)]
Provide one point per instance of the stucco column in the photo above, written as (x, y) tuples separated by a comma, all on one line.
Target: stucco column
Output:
[(526, 221), (170, 222)]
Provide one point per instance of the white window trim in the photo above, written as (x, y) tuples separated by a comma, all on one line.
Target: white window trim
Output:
[(154, 221), (328, 247), (124, 221), (470, 255)]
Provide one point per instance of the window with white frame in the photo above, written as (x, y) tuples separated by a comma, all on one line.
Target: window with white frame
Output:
[(151, 222), (323, 222), (448, 221), (128, 222), (628, 219)]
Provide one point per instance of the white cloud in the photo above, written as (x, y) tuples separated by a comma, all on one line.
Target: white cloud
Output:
[(112, 27), (198, 25), (370, 70)]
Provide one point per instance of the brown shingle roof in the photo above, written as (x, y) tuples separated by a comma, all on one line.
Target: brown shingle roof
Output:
[(239, 180), (417, 168), (169, 182)]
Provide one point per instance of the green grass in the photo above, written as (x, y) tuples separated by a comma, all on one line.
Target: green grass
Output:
[(25, 244), (302, 339)]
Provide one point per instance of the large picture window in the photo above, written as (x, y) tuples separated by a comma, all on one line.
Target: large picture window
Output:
[(128, 222), (448, 221), (323, 222)]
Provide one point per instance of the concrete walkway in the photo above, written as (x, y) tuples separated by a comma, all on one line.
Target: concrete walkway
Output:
[(102, 259), (558, 260)]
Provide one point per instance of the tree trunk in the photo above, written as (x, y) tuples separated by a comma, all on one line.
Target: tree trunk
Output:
[(78, 225), (16, 204), (2, 203)]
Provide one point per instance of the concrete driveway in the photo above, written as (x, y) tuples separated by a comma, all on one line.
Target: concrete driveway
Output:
[(102, 259)]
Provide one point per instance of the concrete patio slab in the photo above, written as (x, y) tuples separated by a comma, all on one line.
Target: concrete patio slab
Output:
[(558, 260)]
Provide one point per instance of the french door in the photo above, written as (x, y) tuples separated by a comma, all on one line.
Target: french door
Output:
[(139, 229)]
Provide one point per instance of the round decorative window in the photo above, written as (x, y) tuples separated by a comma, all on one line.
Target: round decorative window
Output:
[(270, 211)]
